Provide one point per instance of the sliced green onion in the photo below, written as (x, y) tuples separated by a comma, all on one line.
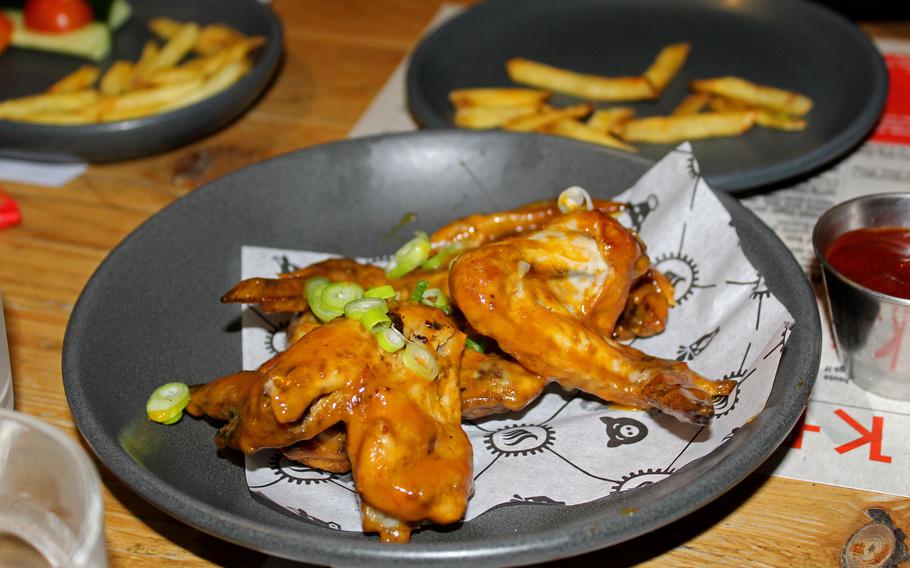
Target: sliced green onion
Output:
[(419, 290), (375, 319), (385, 292), (313, 289), (357, 308), (166, 404), (574, 198), (437, 261), (314, 286), (409, 256), (473, 345), (435, 298), (420, 360), (390, 339), (337, 296)]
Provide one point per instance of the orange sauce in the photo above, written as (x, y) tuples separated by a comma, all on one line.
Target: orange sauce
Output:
[(877, 258)]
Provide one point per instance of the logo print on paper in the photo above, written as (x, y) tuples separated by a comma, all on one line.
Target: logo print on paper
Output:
[(694, 349), (623, 431), (638, 212), (523, 439), (724, 404), (641, 478), (759, 293), (681, 270), (284, 264)]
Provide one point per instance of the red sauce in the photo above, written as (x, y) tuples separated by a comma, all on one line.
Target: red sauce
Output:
[(877, 258)]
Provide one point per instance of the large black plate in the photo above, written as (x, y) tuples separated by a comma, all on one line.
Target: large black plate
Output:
[(151, 314), (792, 44), (26, 72)]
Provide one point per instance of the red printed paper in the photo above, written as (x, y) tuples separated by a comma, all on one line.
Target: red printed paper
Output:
[(894, 127)]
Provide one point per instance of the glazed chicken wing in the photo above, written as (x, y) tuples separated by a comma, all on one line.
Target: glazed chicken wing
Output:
[(551, 299), (286, 294), (410, 459)]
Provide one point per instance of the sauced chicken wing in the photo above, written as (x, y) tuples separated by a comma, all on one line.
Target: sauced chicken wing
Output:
[(286, 294), (481, 228), (492, 384), (410, 459), (551, 299)]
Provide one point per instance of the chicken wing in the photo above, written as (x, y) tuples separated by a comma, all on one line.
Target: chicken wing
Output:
[(551, 299), (410, 459), (286, 293), (481, 228)]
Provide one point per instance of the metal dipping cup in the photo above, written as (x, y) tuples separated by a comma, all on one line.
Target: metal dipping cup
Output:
[(871, 329)]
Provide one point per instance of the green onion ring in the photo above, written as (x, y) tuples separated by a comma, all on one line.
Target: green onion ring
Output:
[(409, 256), (337, 296), (420, 360), (385, 292), (390, 339), (167, 402), (375, 319), (419, 290), (356, 308), (313, 288)]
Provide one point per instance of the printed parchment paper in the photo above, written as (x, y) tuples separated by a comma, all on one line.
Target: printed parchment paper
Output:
[(568, 447)]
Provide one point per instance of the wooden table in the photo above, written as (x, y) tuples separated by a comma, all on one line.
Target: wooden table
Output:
[(337, 56)]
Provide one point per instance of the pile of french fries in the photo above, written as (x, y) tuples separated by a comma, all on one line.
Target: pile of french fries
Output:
[(716, 107), (192, 63)]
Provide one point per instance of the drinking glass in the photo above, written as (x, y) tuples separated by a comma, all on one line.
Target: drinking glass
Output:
[(6, 374), (51, 513)]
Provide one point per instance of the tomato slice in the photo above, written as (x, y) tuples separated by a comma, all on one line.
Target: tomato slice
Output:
[(6, 32), (56, 16)]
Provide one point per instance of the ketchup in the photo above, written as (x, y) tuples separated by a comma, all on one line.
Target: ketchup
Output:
[(876, 257)]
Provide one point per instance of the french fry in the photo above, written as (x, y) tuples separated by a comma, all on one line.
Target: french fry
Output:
[(479, 117), (215, 37), (668, 129), (763, 117), (666, 65), (171, 75), (78, 80), (144, 64), (48, 103), (141, 102), (572, 128), (593, 87), (495, 97), (753, 94), (117, 78), (176, 48), (224, 78), (693, 103), (603, 120), (165, 28), (779, 121), (547, 115), (86, 115)]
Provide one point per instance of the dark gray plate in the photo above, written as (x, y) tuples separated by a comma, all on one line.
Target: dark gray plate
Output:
[(25, 72), (151, 314), (791, 44)]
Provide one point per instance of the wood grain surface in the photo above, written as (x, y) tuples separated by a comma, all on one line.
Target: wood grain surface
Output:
[(338, 55)]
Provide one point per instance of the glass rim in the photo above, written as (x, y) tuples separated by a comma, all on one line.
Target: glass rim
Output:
[(91, 529)]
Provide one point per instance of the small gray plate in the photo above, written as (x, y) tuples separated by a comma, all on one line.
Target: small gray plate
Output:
[(27, 72), (792, 44), (151, 314)]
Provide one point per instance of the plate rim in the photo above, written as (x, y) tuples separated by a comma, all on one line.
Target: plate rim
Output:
[(315, 546), (755, 179)]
